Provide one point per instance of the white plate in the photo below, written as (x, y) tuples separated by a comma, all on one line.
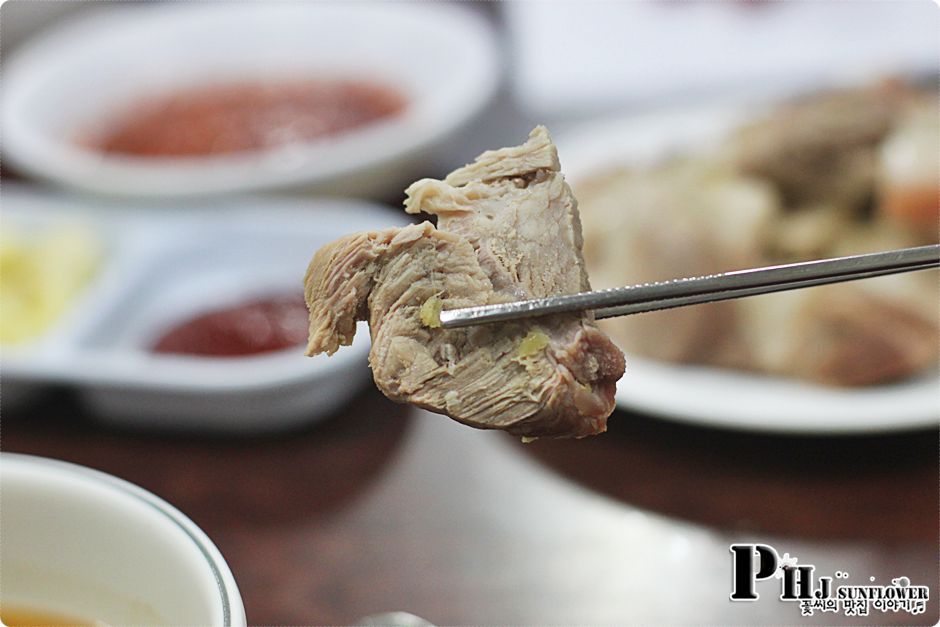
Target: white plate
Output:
[(720, 397), (739, 400), (441, 57), (161, 267), (646, 53)]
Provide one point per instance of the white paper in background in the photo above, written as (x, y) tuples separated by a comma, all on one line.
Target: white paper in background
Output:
[(572, 57)]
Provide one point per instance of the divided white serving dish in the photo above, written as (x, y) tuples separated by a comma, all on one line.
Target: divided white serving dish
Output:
[(163, 265)]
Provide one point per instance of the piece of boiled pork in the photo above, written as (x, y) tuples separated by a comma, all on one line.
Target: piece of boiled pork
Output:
[(508, 229)]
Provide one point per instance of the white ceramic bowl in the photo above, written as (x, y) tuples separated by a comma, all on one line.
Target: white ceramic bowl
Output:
[(441, 57), (83, 544)]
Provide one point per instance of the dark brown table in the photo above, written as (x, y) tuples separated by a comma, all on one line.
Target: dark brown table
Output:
[(383, 507)]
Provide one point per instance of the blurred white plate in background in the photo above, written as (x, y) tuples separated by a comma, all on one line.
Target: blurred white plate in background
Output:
[(573, 58), (441, 57), (739, 400), (717, 397)]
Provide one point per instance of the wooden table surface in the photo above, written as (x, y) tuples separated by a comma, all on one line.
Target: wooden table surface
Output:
[(383, 507)]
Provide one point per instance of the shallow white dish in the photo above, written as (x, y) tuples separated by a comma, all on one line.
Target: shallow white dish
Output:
[(163, 266), (441, 57), (719, 397), (86, 545), (740, 400)]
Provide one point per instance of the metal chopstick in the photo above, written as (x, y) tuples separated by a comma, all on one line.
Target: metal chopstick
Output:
[(681, 292)]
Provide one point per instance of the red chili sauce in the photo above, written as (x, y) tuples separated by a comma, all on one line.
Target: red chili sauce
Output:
[(240, 117), (257, 326)]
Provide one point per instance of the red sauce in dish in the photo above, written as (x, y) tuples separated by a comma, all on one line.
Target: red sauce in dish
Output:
[(256, 326), (239, 117)]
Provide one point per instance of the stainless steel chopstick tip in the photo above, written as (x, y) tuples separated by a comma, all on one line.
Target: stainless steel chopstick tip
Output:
[(704, 289)]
